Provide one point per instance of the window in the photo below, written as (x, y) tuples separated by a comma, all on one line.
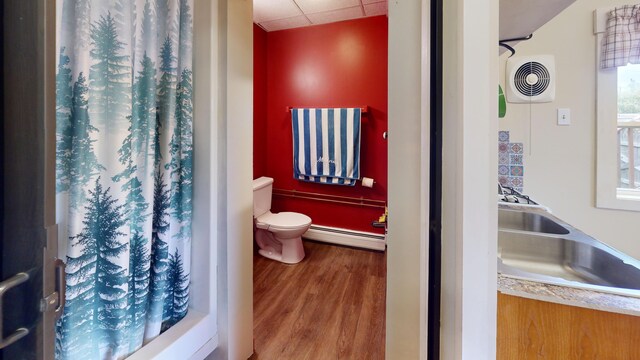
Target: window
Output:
[(618, 130), (629, 127)]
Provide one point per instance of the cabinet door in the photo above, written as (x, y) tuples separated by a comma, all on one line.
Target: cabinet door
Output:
[(533, 329)]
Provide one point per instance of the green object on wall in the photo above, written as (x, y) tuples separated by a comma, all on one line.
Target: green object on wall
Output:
[(502, 103)]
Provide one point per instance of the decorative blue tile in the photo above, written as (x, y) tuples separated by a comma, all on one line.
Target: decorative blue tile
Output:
[(517, 170), (503, 159), (515, 159), (515, 148), (503, 136), (516, 182), (510, 162)]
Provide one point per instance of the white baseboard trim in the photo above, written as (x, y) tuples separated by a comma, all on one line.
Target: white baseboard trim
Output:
[(206, 349), (359, 239)]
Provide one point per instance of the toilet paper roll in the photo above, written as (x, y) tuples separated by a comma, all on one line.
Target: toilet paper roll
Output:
[(367, 182)]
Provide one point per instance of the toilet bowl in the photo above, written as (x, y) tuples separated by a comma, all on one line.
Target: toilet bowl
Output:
[(279, 235)]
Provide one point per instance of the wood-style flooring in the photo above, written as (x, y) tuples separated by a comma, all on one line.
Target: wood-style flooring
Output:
[(329, 306)]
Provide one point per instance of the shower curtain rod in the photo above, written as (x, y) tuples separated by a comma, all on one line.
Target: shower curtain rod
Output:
[(363, 109), (360, 201)]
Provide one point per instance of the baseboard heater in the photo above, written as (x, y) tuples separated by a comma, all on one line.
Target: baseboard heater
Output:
[(359, 239)]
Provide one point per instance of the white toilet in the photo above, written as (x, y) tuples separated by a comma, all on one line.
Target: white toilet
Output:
[(278, 235)]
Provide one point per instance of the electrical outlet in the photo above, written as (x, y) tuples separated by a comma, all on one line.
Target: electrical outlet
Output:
[(564, 116)]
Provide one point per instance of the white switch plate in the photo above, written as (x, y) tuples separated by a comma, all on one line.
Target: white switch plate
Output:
[(564, 116)]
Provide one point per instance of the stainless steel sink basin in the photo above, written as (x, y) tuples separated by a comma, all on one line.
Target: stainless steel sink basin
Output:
[(535, 245), (529, 221)]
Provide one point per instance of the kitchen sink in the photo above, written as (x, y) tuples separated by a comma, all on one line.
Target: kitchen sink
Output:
[(537, 246), (529, 221)]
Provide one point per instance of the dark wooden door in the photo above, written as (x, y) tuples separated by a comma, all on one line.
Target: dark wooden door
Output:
[(27, 167)]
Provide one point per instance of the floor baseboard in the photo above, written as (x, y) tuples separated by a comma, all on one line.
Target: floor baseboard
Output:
[(359, 239)]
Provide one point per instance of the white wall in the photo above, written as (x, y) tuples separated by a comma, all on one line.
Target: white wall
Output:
[(233, 55), (469, 224), (408, 139), (239, 222), (560, 171), (204, 205)]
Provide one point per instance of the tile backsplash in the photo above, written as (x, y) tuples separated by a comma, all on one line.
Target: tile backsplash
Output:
[(510, 162)]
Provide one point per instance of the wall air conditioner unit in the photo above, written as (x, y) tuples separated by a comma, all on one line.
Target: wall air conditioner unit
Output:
[(531, 79)]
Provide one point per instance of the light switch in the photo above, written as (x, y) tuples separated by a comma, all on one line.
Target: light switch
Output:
[(564, 116)]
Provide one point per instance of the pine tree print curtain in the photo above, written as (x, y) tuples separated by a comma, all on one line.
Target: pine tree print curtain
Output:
[(124, 163)]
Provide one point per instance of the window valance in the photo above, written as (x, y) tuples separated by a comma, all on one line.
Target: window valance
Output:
[(621, 43)]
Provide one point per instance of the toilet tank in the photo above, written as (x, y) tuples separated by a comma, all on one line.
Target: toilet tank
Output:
[(262, 188)]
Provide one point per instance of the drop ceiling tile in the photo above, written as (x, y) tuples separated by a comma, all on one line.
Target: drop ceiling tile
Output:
[(379, 8), (288, 23), (336, 15), (315, 6), (267, 10)]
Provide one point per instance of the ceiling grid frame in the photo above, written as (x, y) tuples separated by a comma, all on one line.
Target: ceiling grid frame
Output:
[(274, 15)]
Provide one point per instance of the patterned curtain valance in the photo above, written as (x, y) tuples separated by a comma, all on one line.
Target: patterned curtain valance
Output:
[(621, 43)]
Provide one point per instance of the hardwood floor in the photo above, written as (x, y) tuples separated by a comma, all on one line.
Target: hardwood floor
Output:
[(329, 306)]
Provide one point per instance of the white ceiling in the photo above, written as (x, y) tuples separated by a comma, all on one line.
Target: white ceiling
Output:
[(274, 15)]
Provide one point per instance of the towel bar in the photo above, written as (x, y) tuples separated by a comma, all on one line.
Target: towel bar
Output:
[(363, 109)]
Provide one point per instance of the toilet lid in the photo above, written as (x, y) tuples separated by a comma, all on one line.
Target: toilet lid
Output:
[(285, 220)]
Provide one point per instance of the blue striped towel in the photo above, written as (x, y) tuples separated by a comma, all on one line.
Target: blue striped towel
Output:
[(326, 145)]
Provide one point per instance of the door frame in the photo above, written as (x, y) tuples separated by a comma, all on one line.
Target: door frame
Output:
[(406, 312), (469, 207), (470, 137), (409, 107)]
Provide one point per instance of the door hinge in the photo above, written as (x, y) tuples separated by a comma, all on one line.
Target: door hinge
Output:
[(55, 301), (50, 302)]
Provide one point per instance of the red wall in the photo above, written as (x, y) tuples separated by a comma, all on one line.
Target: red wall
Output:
[(334, 65), (259, 100)]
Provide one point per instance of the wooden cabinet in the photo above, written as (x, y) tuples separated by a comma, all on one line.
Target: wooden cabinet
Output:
[(533, 329)]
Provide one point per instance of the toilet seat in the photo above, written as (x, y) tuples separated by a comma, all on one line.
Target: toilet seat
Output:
[(282, 221)]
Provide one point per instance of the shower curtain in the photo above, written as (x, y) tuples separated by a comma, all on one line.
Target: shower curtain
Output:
[(124, 161)]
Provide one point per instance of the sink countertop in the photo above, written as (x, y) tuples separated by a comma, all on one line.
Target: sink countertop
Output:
[(569, 296)]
